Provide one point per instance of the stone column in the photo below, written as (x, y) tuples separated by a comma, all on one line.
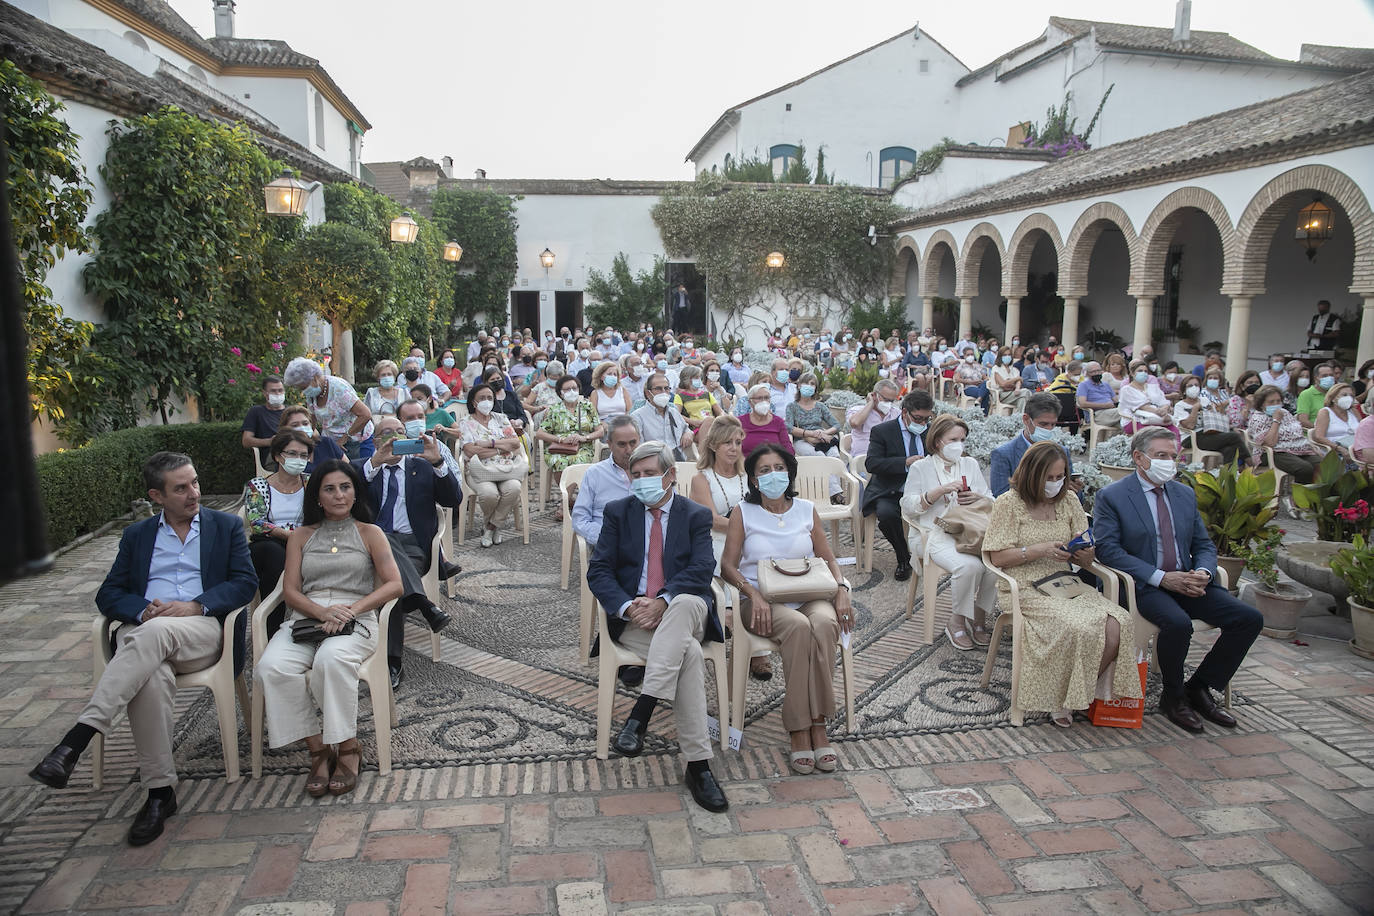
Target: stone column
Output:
[(1013, 319), (1144, 323), (965, 316), (1068, 334), (1366, 348), (927, 313), (1238, 338)]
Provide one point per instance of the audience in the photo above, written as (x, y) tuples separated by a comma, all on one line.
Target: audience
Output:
[(262, 420), (494, 466), (334, 406), (605, 481), (449, 376), (878, 407), (415, 373), (339, 573), (301, 420), (1038, 423), (1098, 396), (383, 398), (275, 505), (813, 429), (1143, 404), (774, 524), (761, 424), (1206, 418), (609, 394), (694, 402), (1337, 420), (1272, 426), (1312, 397), (1007, 383), (569, 431)]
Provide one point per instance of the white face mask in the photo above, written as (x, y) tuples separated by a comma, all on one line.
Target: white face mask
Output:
[(1162, 470), (713, 376), (763, 408), (571, 396), (1344, 401), (483, 406), (276, 400), (662, 400), (1171, 375), (305, 428), (951, 451), (1052, 488), (1192, 391)]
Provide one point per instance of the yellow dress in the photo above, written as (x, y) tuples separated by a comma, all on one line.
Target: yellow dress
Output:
[(1062, 640)]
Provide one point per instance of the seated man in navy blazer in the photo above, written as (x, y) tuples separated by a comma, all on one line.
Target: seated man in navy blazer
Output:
[(1148, 525), (651, 572), (893, 447), (1040, 417), (176, 577)]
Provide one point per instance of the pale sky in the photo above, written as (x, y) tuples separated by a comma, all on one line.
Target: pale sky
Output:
[(623, 88)]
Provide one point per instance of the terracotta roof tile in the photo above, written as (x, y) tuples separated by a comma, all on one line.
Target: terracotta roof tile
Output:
[(1149, 38), (260, 52), (1336, 56)]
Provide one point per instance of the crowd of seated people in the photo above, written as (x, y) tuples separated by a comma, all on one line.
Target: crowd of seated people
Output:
[(344, 517)]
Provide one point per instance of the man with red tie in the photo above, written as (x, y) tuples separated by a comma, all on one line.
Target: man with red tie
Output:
[(1147, 525), (651, 573)]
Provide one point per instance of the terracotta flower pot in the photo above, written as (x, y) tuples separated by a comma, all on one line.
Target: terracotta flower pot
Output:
[(1233, 567), (1281, 608), (1114, 472), (1362, 619)]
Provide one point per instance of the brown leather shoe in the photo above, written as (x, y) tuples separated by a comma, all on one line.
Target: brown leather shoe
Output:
[(1180, 712), (1200, 698)]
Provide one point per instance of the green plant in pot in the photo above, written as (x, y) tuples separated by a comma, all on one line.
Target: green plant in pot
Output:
[(1355, 566), (1281, 603), (1333, 489), (1187, 334), (1237, 505)]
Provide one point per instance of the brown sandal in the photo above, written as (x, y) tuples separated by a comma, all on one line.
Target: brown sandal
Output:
[(318, 782), (345, 779)]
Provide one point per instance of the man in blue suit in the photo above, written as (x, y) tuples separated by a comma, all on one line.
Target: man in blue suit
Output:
[(176, 577), (651, 573), (1040, 416), (1148, 525)]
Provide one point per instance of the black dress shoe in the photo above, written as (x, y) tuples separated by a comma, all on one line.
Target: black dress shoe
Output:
[(56, 768), (903, 572), (1180, 712), (631, 675), (147, 825), (436, 617), (1200, 698), (448, 570), (396, 677), (706, 791), (630, 741)]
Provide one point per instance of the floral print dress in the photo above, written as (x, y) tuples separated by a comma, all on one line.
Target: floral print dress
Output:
[(562, 420)]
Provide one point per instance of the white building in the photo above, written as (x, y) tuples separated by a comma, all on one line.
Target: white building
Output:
[(876, 110)]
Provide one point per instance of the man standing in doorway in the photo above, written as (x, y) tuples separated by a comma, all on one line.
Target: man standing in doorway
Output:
[(1324, 329), (682, 304)]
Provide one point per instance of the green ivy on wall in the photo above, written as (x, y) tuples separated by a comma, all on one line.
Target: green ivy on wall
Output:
[(484, 223), (823, 234), (49, 196)]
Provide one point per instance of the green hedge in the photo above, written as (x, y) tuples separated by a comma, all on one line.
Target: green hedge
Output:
[(84, 488)]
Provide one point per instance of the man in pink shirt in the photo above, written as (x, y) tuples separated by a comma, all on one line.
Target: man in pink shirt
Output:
[(1364, 441), (880, 405)]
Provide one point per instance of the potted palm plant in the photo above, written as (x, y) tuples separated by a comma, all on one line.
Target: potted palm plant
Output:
[(1281, 603), (1355, 566), (1187, 333), (1237, 505)]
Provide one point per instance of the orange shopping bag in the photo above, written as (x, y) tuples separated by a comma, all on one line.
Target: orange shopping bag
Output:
[(1122, 712)]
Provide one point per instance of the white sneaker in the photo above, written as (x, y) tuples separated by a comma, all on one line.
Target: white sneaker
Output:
[(486, 537), (496, 536)]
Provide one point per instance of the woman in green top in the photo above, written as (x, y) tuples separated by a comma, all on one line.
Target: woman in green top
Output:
[(436, 416)]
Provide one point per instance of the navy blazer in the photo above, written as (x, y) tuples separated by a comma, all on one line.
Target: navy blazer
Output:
[(886, 462), (1006, 458), (1128, 540), (226, 572), (424, 488), (688, 559)]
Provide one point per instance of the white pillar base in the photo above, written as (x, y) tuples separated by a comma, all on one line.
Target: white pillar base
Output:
[(1238, 338), (1013, 319), (1144, 324), (965, 317), (1069, 332)]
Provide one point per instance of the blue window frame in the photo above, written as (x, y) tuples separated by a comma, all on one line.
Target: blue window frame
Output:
[(893, 163), (782, 156)]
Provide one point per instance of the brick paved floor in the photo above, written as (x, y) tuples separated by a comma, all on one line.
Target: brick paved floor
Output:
[(1274, 818)]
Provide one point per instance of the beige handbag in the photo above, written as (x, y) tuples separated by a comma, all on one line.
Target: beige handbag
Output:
[(800, 580), (967, 524)]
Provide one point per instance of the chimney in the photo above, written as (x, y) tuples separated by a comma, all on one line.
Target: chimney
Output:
[(224, 18), (1183, 15), (448, 166), (480, 174)]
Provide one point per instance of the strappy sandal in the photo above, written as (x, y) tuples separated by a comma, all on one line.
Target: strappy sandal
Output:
[(958, 634), (803, 763), (826, 759), (345, 779), (982, 635), (317, 784), (1063, 718)]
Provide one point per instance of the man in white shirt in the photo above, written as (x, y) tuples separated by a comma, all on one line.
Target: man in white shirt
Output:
[(966, 345), (659, 420), (781, 391)]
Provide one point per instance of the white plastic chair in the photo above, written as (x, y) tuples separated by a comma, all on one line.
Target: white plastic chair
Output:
[(613, 655), (744, 644), (218, 677), (928, 573), (434, 587), (586, 604), (686, 470), (467, 510), (869, 526), (257, 464), (373, 672), (813, 483), (1196, 451), (1097, 431), (1146, 631), (572, 476), (847, 449)]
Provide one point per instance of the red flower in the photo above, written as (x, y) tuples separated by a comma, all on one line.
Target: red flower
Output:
[(233, 381), (236, 351), (252, 368)]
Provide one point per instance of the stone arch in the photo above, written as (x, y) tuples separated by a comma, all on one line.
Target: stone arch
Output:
[(1078, 247), (975, 247), (1256, 226), (940, 242), (908, 257), (1147, 270), (1017, 263)]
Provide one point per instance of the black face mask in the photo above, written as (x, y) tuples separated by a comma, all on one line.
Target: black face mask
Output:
[(412, 374), (794, 374), (1096, 377), (1251, 389)]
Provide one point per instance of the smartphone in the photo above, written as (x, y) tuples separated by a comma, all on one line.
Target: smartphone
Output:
[(407, 446)]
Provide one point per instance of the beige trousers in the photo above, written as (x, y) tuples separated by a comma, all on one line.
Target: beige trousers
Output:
[(808, 636), (142, 678), (498, 498), (675, 670)]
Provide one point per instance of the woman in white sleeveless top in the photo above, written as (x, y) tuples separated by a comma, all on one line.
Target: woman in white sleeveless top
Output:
[(609, 396), (1336, 422), (773, 523), (719, 485)]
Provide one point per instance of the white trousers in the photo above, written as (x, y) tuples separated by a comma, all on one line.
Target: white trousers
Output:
[(296, 677), (675, 669), (142, 678), (971, 583)]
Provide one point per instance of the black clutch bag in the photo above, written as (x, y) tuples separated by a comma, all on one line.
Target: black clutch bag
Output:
[(312, 631)]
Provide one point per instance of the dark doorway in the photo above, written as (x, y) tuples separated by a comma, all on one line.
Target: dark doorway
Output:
[(693, 318), (567, 310), (524, 310)]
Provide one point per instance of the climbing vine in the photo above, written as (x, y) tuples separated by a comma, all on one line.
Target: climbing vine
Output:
[(484, 223), (823, 233)]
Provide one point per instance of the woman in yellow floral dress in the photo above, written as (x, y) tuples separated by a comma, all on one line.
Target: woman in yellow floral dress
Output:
[(1067, 644)]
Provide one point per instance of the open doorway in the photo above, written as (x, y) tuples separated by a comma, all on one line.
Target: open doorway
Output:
[(524, 310), (567, 310), (686, 312)]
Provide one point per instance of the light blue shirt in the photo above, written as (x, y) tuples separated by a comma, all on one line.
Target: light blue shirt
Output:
[(604, 481), (644, 572), (174, 572), (1153, 502)]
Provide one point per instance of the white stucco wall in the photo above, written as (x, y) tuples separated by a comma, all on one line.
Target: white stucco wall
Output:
[(956, 176), (855, 110), (64, 279)]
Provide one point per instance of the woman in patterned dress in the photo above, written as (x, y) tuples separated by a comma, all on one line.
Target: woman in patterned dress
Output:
[(572, 420), (1067, 645)]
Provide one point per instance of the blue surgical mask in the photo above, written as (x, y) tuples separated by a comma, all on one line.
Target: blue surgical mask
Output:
[(448, 362), (662, 363), (1271, 408), (807, 391), (1078, 355), (541, 365), (773, 484), (294, 465), (649, 490), (1327, 381), (1006, 360), (780, 375), (386, 381), (311, 392), (1214, 383), (1040, 434), (553, 382), (917, 428), (415, 428), (1142, 376)]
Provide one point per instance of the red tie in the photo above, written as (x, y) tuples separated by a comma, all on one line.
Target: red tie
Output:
[(1166, 532), (654, 580)]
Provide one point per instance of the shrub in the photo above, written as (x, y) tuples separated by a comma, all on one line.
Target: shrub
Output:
[(84, 488)]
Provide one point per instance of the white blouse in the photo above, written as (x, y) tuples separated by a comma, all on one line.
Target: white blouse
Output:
[(927, 474), (767, 535), (1132, 399), (1341, 432)]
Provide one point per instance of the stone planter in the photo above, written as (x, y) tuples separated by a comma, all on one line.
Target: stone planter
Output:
[(1233, 567), (1114, 472), (1281, 608), (1309, 562), (1362, 619)]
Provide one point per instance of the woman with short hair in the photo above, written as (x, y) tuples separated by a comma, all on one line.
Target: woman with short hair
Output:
[(760, 425), (1206, 418), (336, 407), (572, 421), (384, 397), (275, 505), (1335, 423), (1273, 426)]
